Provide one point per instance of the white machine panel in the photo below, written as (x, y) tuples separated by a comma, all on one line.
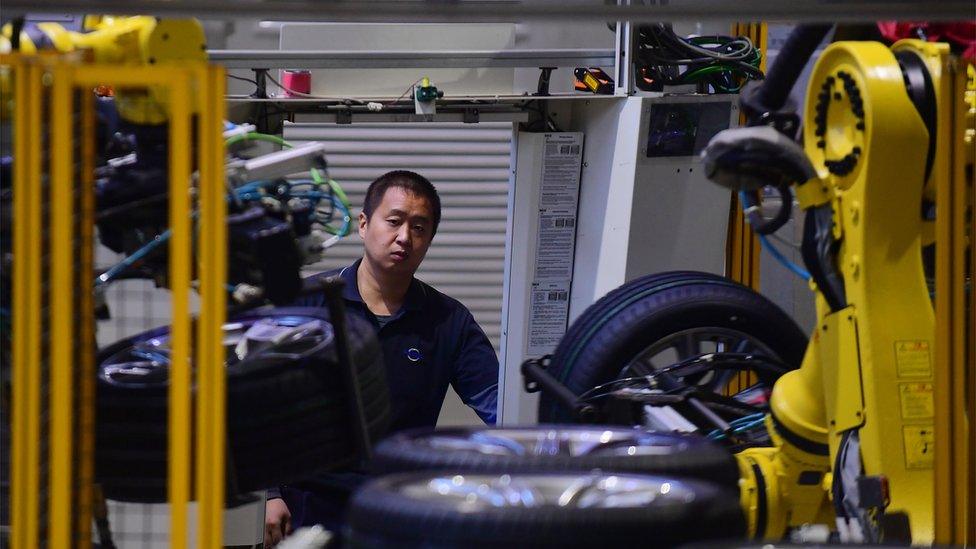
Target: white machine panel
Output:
[(679, 219), (644, 206)]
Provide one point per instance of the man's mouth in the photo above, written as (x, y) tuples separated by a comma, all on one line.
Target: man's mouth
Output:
[(399, 256)]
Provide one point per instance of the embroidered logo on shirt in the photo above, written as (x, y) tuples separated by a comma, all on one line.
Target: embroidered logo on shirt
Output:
[(413, 354)]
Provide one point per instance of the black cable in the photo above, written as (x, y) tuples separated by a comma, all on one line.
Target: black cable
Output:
[(16, 27), (241, 78), (780, 78), (767, 226), (540, 107)]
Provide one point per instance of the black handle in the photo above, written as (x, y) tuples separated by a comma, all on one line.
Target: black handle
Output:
[(332, 287), (538, 379)]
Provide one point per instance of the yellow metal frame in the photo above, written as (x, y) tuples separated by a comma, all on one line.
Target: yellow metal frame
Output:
[(741, 244), (211, 380), (191, 86), (955, 371)]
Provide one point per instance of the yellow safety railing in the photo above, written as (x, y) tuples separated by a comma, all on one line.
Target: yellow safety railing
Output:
[(741, 244), (56, 82), (955, 315)]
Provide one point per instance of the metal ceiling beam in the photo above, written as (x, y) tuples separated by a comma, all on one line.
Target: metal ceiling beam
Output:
[(341, 59), (402, 11)]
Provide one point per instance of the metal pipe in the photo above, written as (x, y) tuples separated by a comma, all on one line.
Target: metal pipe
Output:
[(384, 59), (549, 10)]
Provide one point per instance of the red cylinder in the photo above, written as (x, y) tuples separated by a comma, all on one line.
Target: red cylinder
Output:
[(297, 82)]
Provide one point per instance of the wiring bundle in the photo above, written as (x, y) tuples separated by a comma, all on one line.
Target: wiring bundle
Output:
[(721, 64)]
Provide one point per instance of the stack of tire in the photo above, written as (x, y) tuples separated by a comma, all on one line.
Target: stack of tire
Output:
[(574, 485), (287, 411), (555, 486)]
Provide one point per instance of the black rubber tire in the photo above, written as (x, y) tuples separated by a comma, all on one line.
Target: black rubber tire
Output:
[(615, 329), (286, 420), (673, 455), (382, 515)]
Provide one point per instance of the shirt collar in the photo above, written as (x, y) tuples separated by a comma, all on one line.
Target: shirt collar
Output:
[(413, 301)]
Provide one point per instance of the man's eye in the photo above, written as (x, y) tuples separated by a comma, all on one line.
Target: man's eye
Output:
[(393, 222), (419, 228)]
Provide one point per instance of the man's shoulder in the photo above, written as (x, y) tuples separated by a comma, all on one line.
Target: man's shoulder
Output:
[(312, 295), (326, 274)]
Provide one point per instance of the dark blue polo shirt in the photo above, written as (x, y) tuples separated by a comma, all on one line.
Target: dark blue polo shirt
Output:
[(430, 343)]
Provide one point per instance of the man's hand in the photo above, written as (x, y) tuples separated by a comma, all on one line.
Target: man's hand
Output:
[(277, 521)]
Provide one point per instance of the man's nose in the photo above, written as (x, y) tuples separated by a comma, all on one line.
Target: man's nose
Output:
[(403, 234)]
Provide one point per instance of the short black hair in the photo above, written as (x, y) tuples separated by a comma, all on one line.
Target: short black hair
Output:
[(409, 181)]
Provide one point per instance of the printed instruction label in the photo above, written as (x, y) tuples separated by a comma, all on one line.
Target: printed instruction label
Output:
[(555, 241), (557, 238), (917, 400), (547, 322), (919, 446), (913, 358), (561, 172)]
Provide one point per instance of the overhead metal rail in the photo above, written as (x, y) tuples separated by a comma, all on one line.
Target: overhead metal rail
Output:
[(378, 59), (415, 11)]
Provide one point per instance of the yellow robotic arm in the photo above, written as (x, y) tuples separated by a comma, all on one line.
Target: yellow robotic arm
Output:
[(853, 427), (138, 40)]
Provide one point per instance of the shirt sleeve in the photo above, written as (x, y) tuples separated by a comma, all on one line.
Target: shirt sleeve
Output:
[(476, 370)]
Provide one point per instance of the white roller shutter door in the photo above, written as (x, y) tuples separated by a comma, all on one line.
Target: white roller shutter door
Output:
[(470, 164)]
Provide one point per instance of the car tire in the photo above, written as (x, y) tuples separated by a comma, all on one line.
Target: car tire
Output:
[(287, 415), (447, 510), (556, 448), (614, 331)]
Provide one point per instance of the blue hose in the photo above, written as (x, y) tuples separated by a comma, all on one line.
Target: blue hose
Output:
[(768, 246)]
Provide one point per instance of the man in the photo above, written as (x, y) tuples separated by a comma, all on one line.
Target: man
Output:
[(429, 340)]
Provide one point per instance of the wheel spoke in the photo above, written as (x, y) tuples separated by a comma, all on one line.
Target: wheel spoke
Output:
[(744, 345), (644, 367), (687, 346)]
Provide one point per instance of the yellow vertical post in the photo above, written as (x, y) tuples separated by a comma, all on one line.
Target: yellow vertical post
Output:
[(22, 250), (85, 353), (204, 423), (218, 205), (61, 318), (178, 486), (962, 426), (211, 409), (742, 245), (28, 389), (955, 376)]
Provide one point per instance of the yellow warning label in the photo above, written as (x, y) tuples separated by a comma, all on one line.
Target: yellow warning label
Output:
[(913, 358), (919, 446), (917, 400)]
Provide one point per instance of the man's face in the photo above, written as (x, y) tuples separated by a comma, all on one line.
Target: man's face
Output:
[(399, 232)]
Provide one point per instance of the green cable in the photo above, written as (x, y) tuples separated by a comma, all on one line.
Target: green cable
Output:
[(256, 136), (341, 195), (697, 73)]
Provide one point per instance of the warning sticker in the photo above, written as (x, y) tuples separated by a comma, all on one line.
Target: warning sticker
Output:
[(919, 446), (917, 401), (913, 358)]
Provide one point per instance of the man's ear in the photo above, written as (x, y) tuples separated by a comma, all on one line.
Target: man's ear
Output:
[(362, 224)]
